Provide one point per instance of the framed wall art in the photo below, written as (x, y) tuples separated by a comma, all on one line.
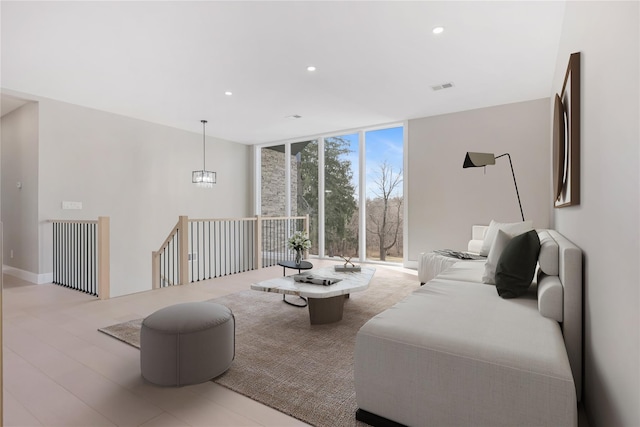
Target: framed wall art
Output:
[(566, 138)]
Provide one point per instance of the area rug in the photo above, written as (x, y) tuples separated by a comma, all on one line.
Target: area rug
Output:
[(303, 370)]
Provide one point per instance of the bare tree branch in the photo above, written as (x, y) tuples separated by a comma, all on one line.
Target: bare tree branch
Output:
[(387, 225)]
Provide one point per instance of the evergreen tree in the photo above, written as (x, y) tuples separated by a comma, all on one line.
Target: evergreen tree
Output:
[(340, 203)]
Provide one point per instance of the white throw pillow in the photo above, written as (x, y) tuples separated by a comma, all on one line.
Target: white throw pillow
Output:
[(499, 243), (511, 228)]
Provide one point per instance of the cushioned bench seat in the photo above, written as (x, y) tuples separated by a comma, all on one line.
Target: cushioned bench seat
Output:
[(465, 271), (187, 343)]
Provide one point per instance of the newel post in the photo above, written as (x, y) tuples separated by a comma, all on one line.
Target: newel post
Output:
[(104, 251), (183, 244), (155, 270)]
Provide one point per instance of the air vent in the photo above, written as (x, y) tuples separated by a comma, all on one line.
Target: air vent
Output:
[(442, 86)]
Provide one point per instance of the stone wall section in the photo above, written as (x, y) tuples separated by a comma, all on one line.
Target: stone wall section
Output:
[(273, 183)]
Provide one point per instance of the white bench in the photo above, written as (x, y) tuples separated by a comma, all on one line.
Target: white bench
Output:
[(430, 264)]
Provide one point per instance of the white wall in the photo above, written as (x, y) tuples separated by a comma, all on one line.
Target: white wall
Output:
[(20, 205), (135, 172), (606, 223), (445, 200)]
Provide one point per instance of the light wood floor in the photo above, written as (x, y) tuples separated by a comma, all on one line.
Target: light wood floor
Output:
[(60, 371)]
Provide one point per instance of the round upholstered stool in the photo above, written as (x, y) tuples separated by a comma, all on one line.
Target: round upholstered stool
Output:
[(187, 343)]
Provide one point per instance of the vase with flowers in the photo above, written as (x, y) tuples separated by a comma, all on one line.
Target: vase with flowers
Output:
[(299, 242)]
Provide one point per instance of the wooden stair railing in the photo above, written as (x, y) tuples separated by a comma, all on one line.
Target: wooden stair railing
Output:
[(201, 249), (167, 264), (81, 255)]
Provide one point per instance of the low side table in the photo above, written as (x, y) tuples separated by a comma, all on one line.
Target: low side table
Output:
[(304, 265)]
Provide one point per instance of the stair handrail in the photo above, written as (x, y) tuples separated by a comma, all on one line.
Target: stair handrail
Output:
[(183, 260)]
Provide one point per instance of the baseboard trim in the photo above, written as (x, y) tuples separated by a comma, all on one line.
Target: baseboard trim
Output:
[(34, 278), (375, 420), (411, 264)]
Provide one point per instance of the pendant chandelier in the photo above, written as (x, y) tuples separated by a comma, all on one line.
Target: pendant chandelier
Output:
[(203, 178)]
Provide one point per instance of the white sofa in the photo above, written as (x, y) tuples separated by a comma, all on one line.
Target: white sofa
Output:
[(454, 353)]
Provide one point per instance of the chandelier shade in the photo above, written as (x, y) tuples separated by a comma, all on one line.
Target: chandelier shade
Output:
[(203, 178)]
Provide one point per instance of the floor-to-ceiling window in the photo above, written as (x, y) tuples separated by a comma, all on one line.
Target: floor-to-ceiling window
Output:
[(340, 195), (304, 186), (384, 157), (321, 177)]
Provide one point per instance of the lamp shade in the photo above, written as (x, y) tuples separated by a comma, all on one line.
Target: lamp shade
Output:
[(203, 178), (476, 160)]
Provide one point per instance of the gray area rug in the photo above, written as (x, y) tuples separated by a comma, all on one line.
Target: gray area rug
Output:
[(303, 370)]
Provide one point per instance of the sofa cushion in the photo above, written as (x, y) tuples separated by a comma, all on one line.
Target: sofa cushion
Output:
[(548, 258), (430, 264), (511, 228), (550, 297), (482, 360), (499, 244), (517, 265), (464, 271)]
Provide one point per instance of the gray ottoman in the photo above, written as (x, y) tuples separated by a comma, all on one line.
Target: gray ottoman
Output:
[(187, 343)]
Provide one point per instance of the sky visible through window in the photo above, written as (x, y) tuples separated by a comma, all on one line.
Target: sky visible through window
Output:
[(381, 145)]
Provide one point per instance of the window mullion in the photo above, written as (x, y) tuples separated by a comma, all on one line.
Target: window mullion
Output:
[(287, 179), (362, 197), (321, 187), (257, 170)]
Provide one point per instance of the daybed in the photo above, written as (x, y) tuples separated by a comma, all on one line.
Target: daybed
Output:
[(455, 353)]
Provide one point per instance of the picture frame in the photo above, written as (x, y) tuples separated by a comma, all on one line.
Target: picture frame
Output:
[(566, 138)]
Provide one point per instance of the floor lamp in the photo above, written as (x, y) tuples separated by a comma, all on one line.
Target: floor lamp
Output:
[(476, 160)]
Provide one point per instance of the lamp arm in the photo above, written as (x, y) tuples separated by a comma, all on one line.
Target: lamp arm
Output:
[(514, 181)]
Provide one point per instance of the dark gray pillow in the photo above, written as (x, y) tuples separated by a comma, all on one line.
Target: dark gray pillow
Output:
[(517, 265)]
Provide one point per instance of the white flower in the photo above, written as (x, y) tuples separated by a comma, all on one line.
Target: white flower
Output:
[(299, 241)]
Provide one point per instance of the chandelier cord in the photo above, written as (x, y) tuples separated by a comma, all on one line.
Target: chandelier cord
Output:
[(204, 152)]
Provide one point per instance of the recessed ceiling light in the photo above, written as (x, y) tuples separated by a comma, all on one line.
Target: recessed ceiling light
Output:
[(228, 93), (311, 68), (438, 30)]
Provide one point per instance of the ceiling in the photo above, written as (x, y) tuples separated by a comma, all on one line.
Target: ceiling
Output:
[(171, 62)]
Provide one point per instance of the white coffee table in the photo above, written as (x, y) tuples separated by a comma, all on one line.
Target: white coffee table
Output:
[(326, 303)]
